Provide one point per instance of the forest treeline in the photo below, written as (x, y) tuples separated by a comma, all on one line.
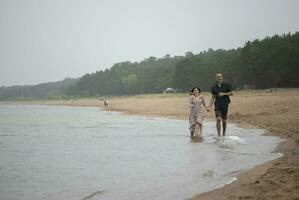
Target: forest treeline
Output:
[(258, 64), (52, 90)]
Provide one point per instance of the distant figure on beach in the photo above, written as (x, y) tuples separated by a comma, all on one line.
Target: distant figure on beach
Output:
[(196, 101), (106, 104), (220, 97)]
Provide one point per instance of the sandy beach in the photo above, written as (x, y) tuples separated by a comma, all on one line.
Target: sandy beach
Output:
[(276, 112)]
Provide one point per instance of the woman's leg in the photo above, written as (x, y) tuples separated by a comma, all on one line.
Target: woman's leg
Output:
[(192, 131), (200, 129), (197, 130)]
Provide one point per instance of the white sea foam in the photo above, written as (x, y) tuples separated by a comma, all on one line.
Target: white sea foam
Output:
[(230, 142)]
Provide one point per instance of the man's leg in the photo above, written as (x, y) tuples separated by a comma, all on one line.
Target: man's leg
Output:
[(224, 110), (223, 126), (218, 119), (218, 126)]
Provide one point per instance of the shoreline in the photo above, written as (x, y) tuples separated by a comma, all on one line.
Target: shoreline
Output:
[(276, 113)]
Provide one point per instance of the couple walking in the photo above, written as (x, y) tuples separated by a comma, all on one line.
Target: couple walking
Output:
[(220, 97)]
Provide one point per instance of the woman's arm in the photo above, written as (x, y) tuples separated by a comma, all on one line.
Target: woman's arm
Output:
[(191, 101)]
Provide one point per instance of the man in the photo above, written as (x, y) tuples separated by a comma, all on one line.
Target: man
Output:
[(220, 97)]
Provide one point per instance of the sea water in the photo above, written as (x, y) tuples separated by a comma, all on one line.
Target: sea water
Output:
[(62, 153)]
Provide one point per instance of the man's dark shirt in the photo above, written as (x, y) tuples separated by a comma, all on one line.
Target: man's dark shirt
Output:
[(223, 88)]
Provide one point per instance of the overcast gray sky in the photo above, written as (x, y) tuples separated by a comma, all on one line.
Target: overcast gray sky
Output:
[(48, 40)]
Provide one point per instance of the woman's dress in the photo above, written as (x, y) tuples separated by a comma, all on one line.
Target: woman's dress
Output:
[(196, 115)]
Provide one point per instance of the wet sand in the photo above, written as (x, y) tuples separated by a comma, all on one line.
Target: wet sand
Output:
[(277, 112)]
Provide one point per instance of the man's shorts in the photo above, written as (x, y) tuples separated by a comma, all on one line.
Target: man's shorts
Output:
[(221, 110)]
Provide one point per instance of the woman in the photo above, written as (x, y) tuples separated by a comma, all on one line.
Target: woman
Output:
[(196, 101)]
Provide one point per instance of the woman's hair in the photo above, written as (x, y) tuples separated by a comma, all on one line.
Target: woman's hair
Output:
[(192, 90)]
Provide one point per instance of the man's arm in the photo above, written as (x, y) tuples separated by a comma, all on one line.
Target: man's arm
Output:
[(226, 93), (211, 102), (229, 93), (213, 98), (230, 90)]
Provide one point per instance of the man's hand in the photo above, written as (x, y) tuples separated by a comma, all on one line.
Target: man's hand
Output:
[(221, 94)]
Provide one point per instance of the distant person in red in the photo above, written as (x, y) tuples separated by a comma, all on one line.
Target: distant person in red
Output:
[(220, 97)]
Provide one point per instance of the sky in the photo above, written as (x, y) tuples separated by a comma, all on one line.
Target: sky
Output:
[(49, 40)]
